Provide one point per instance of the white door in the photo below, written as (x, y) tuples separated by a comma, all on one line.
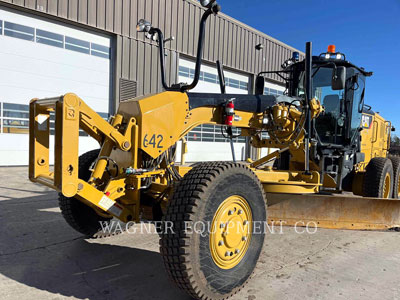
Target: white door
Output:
[(38, 59), (205, 142)]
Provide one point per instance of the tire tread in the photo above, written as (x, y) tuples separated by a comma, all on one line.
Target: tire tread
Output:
[(80, 217), (374, 176), (174, 247)]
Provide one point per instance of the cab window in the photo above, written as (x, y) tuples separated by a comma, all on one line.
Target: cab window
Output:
[(358, 102), (330, 125)]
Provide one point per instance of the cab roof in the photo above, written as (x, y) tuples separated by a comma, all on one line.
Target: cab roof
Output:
[(321, 59), (339, 62)]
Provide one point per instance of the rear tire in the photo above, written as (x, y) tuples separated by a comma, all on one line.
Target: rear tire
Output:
[(378, 178), (207, 192), (396, 175), (78, 215)]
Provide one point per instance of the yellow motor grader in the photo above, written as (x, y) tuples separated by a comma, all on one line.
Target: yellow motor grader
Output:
[(329, 145)]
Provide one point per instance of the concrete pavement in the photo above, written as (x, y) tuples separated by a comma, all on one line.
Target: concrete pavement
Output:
[(41, 257)]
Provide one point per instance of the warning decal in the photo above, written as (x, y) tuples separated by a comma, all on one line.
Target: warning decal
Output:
[(366, 121)]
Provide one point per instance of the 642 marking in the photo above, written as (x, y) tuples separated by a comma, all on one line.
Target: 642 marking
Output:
[(154, 141)]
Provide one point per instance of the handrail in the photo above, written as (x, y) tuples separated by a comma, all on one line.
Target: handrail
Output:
[(212, 10)]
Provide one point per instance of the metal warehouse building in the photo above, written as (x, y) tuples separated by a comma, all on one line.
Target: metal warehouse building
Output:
[(91, 48)]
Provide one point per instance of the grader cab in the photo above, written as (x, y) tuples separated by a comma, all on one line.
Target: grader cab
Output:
[(321, 146)]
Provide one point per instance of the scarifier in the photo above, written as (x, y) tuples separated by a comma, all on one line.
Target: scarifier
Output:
[(326, 141)]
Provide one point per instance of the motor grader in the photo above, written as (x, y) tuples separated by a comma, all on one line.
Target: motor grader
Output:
[(328, 142)]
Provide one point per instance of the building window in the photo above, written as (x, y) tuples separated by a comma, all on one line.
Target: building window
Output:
[(183, 71), (268, 91), (77, 45), (264, 135), (12, 110), (212, 133), (53, 39), (243, 85), (234, 83), (212, 78), (14, 118), (19, 31), (191, 73), (208, 77), (201, 76), (195, 135), (49, 38), (100, 51)]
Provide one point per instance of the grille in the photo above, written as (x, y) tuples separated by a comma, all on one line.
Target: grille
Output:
[(127, 89)]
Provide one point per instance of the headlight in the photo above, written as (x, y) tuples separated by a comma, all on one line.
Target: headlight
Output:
[(143, 26), (207, 3)]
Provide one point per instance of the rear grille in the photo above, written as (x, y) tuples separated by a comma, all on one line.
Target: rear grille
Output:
[(127, 89)]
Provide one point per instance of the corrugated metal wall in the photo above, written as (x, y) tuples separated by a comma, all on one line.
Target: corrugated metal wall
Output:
[(136, 57)]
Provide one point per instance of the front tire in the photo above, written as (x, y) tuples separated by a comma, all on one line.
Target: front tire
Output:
[(212, 261), (396, 175), (378, 180), (78, 215)]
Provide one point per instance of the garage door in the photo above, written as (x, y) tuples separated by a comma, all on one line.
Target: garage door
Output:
[(42, 59), (205, 142)]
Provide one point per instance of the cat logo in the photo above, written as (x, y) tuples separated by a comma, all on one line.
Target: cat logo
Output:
[(366, 121)]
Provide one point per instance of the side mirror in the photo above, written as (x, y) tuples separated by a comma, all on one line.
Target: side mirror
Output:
[(260, 84), (338, 78)]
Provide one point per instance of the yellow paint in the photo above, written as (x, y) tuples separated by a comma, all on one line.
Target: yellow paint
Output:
[(230, 232), (148, 126), (398, 190), (289, 182), (151, 124), (334, 212), (71, 114), (92, 196), (264, 159), (165, 118), (387, 187), (375, 137), (358, 182)]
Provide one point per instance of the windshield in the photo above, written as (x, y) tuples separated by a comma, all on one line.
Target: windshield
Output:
[(340, 105), (322, 88), (329, 126)]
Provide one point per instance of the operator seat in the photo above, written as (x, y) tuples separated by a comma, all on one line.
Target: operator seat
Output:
[(326, 124), (332, 104)]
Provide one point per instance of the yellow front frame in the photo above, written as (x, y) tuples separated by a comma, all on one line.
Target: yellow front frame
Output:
[(152, 124)]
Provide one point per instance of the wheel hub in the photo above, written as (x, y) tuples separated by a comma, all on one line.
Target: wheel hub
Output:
[(386, 186), (230, 232), (398, 189)]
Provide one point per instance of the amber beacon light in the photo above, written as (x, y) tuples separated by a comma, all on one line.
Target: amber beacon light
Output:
[(331, 49)]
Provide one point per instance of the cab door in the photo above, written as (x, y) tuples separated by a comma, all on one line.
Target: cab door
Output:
[(375, 136), (368, 135)]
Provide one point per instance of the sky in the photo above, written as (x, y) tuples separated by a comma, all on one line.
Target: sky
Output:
[(367, 32)]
